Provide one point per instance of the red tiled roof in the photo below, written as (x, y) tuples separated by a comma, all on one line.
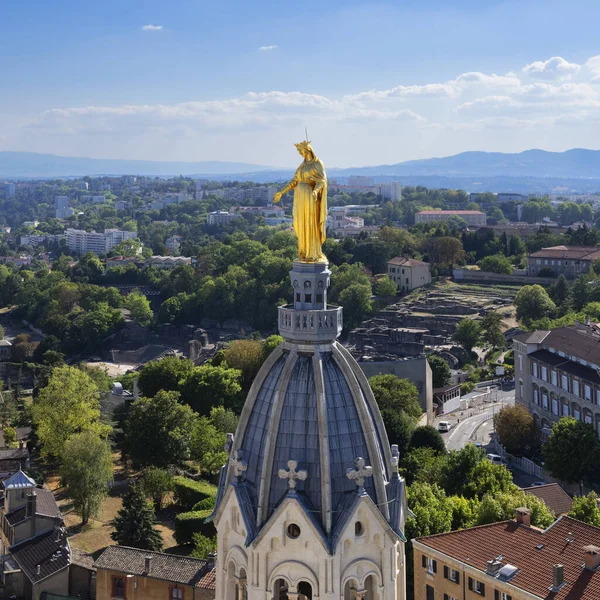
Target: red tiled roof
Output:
[(556, 499), (450, 212), (569, 252), (408, 262), (532, 551)]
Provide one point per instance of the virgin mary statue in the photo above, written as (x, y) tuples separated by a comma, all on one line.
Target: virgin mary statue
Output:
[(310, 205)]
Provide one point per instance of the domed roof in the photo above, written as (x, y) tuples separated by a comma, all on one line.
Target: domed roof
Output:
[(311, 405), (310, 427)]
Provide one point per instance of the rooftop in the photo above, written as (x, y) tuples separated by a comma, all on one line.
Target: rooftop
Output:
[(451, 212), (19, 481), (407, 262), (532, 551), (569, 252), (169, 567), (48, 550), (45, 506), (556, 499)]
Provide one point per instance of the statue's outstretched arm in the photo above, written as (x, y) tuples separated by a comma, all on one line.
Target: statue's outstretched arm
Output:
[(289, 186)]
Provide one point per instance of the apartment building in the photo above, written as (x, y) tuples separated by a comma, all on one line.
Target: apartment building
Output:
[(408, 273), (570, 261), (221, 217), (38, 240), (557, 374), (391, 191), (473, 218), (134, 574), (80, 241), (510, 560), (10, 189)]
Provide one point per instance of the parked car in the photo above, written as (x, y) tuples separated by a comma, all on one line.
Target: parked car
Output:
[(444, 426), (496, 459), (538, 483)]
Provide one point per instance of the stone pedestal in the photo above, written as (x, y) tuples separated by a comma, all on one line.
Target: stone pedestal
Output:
[(310, 282)]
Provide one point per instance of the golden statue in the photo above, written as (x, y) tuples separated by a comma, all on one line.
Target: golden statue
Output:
[(310, 205)]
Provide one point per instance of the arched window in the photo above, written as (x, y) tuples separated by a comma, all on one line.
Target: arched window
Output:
[(232, 592), (304, 591), (280, 590)]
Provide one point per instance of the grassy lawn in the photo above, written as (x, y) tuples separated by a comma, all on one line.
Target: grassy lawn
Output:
[(95, 536)]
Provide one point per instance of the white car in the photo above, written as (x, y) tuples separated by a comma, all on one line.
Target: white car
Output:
[(444, 426), (496, 459)]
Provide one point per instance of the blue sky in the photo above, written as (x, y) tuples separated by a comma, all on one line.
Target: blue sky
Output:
[(375, 82)]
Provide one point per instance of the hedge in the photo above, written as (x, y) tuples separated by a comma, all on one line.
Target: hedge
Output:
[(206, 504), (188, 493), (189, 523)]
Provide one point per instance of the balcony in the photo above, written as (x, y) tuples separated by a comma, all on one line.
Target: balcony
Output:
[(310, 325)]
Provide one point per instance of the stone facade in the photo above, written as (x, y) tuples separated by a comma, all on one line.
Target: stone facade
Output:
[(556, 374), (408, 274)]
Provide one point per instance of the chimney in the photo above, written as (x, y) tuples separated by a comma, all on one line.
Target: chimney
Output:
[(21, 444), (148, 564), (592, 557), (31, 506), (38, 569), (493, 566), (212, 559), (523, 516), (558, 577)]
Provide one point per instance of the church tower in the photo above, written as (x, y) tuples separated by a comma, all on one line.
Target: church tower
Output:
[(310, 504)]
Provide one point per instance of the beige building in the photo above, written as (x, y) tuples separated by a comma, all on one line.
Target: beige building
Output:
[(134, 574), (570, 261), (556, 374), (510, 560), (408, 273), (474, 218)]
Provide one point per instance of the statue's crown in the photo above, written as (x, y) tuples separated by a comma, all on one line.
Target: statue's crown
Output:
[(303, 145)]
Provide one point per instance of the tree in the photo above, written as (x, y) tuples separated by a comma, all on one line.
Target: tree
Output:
[(460, 467), (134, 523), (156, 484), (224, 420), (492, 331), (164, 374), (208, 386), (585, 508), (208, 446), (496, 264), (272, 342), (247, 356), (580, 292), (533, 302), (467, 334), (356, 300), (159, 430), (433, 512), (561, 292), (86, 471), (386, 287), (572, 452), (393, 393), (424, 465), (10, 436), (68, 405), (517, 430), (443, 250), (488, 478), (399, 427), (203, 545), (501, 506), (440, 371), (22, 348), (139, 307), (427, 436)]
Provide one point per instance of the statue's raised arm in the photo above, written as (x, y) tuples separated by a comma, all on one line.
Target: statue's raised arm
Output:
[(310, 204)]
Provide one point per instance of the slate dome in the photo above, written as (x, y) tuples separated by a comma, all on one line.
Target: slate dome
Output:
[(312, 404)]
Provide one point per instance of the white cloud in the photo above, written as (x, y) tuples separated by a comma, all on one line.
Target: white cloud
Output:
[(472, 103), (268, 48), (553, 68), (152, 27), (593, 64)]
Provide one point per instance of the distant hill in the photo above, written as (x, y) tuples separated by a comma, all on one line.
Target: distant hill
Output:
[(16, 165), (576, 170), (531, 163)]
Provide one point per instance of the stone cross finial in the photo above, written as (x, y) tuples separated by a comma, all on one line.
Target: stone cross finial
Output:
[(238, 465), (229, 443), (360, 472), (291, 474)]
